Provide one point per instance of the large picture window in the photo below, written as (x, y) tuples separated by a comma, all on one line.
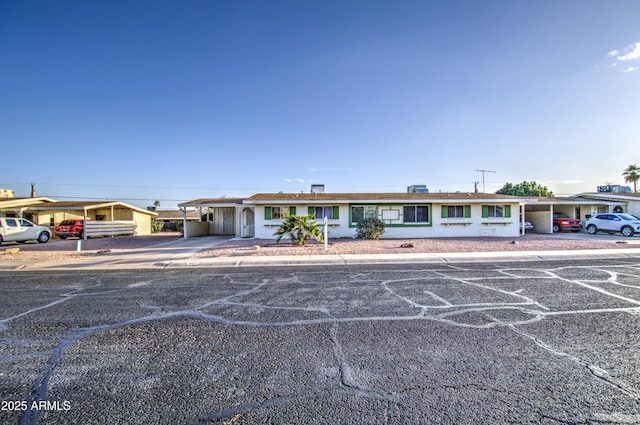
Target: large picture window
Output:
[(416, 214), (360, 212)]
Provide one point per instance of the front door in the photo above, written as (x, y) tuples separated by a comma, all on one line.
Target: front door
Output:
[(248, 223)]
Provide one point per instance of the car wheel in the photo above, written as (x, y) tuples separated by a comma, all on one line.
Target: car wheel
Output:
[(627, 231), (556, 228), (1, 239), (43, 237), (592, 229)]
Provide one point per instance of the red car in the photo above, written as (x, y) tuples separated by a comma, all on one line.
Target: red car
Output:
[(562, 222), (70, 228)]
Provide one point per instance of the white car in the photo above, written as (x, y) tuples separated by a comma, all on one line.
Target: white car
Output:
[(13, 229), (626, 224)]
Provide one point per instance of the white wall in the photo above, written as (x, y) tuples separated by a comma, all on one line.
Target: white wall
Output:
[(440, 227)]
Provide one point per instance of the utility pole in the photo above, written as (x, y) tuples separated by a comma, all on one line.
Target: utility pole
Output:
[(483, 173)]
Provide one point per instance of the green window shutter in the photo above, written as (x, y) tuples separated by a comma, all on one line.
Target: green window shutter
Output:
[(445, 211), (292, 210), (267, 213), (311, 211), (507, 211), (467, 211), (335, 212), (485, 211)]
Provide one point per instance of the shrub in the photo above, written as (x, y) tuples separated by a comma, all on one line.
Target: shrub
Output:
[(156, 226), (370, 228)]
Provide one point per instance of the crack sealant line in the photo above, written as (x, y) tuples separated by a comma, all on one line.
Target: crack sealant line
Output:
[(600, 290), (596, 371)]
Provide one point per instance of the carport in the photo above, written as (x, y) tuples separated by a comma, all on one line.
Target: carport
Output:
[(101, 218), (218, 216), (540, 211)]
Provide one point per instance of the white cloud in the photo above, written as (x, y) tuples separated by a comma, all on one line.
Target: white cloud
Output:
[(297, 180), (634, 53), (624, 58)]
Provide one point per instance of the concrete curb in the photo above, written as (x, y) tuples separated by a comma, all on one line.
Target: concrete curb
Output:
[(136, 260), (359, 259)]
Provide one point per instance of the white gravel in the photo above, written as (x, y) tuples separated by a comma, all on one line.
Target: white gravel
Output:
[(263, 247)]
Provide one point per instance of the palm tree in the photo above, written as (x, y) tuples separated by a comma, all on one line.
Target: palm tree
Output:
[(299, 229), (632, 174)]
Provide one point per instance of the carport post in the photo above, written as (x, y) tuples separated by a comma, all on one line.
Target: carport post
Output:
[(184, 222), (85, 227)]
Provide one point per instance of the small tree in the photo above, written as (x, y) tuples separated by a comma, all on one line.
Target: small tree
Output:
[(300, 229), (524, 189), (631, 174), (370, 228)]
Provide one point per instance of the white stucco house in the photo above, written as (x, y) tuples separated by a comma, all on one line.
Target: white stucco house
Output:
[(406, 215)]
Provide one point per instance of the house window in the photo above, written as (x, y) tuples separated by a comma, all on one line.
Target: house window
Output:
[(496, 211), (360, 212), (456, 211), (277, 213), (331, 212), (416, 214)]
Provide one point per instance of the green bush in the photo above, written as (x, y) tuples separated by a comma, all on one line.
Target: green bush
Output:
[(370, 228), (156, 226)]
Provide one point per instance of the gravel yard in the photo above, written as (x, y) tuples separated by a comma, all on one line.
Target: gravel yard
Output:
[(67, 249), (263, 247)]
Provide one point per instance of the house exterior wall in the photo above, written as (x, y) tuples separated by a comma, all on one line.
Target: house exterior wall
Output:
[(142, 222), (473, 219)]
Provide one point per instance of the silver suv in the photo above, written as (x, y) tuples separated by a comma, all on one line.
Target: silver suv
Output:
[(611, 223), (20, 230)]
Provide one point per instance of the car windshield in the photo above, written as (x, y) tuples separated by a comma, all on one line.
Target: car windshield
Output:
[(560, 215), (628, 217)]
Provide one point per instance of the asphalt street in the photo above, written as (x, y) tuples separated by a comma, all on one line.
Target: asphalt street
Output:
[(482, 342)]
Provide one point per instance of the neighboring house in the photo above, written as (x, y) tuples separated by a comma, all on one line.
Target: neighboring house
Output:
[(49, 212), (406, 215), (613, 202)]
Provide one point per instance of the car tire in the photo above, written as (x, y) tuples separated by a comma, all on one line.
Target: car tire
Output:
[(43, 237), (627, 231), (1, 240), (556, 228), (592, 229)]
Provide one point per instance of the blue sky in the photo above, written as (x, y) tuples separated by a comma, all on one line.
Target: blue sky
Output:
[(178, 100)]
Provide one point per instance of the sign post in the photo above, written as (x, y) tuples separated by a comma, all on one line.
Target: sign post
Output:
[(326, 234)]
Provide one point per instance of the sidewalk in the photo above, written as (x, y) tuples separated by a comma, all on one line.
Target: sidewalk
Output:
[(176, 254)]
